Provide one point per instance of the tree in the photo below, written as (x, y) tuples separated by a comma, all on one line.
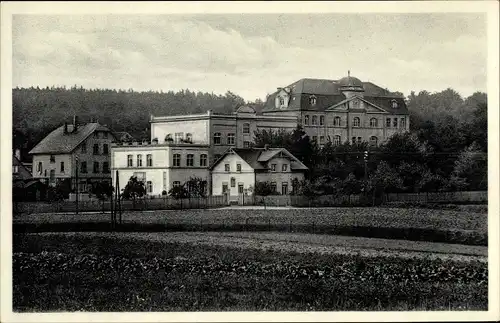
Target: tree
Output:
[(471, 169), (384, 179), (134, 189), (178, 192), (196, 187), (103, 190), (263, 189)]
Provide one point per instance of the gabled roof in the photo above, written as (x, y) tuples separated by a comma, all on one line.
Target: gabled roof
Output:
[(23, 173), (323, 87), (258, 158), (120, 134), (359, 98), (57, 142)]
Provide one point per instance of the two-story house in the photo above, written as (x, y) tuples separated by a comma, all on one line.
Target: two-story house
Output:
[(160, 166), (239, 169), (71, 151)]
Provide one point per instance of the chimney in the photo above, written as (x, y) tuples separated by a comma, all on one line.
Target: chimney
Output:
[(18, 154), (65, 127), (75, 123)]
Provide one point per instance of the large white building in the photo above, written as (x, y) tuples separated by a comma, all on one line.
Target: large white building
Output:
[(159, 166)]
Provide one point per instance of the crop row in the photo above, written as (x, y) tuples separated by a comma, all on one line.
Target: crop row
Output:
[(353, 268)]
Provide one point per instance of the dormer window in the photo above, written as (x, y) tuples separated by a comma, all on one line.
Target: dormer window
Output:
[(312, 100), (394, 104)]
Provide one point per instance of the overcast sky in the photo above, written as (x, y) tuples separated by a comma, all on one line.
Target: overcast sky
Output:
[(251, 54)]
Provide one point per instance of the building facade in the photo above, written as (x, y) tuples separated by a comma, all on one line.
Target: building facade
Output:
[(239, 169), (74, 151), (345, 110), (220, 132), (339, 111), (160, 166)]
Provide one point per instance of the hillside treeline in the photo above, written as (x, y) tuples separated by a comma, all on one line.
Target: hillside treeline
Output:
[(435, 117)]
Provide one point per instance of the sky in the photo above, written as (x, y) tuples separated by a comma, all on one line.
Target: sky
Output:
[(251, 54)]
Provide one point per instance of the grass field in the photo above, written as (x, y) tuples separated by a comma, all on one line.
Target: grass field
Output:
[(98, 273), (451, 226)]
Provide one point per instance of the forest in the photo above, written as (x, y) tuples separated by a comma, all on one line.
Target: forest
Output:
[(447, 140)]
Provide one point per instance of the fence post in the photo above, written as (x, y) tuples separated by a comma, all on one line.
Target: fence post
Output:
[(290, 226), (314, 226), (269, 224), (246, 224)]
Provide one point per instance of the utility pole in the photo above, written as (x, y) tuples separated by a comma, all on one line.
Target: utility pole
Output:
[(76, 184), (366, 172)]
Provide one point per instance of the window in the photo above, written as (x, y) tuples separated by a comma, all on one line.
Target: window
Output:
[(149, 160), (336, 122), (359, 140), (203, 160), (353, 140), (149, 187), (321, 140), (281, 101), (190, 160), (394, 104), (177, 184), (284, 188), (227, 168), (52, 159), (233, 182), (225, 188), (246, 144), (96, 149), (373, 122), (314, 120), (179, 136), (403, 123), (177, 160), (230, 138), (105, 149), (306, 120), (312, 100), (39, 167), (373, 141), (139, 160), (141, 176), (273, 167), (284, 167), (355, 104), (105, 167), (395, 123), (189, 137), (83, 167), (96, 167), (321, 120), (240, 188), (273, 187), (388, 122), (62, 167), (315, 138), (356, 122), (336, 140), (217, 137), (84, 148), (238, 167), (130, 163), (246, 128), (96, 134), (105, 135)]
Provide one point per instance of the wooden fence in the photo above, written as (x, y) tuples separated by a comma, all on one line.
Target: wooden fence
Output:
[(440, 197)]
